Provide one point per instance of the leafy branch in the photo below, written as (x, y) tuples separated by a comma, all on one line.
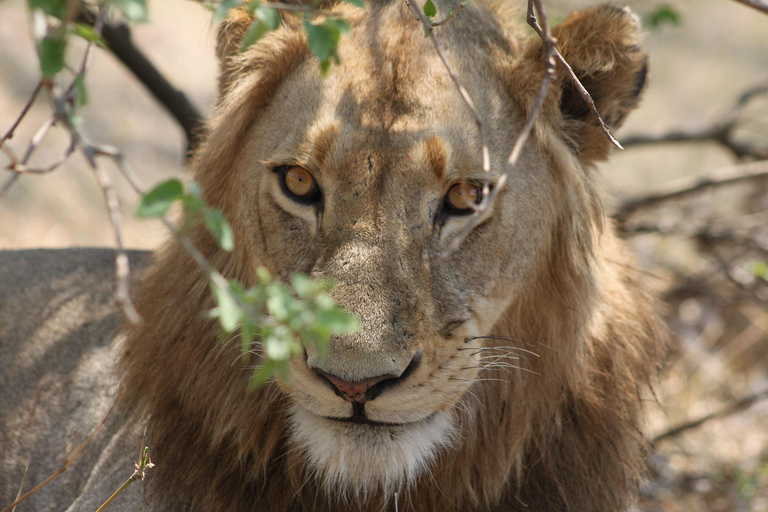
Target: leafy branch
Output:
[(284, 319)]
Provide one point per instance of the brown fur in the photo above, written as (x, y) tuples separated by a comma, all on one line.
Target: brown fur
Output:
[(561, 434)]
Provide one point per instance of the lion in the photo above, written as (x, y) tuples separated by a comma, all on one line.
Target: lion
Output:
[(506, 375)]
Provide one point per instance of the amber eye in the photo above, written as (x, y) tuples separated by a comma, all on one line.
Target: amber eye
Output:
[(463, 197), (298, 183)]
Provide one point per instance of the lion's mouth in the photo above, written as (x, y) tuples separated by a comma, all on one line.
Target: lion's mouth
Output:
[(362, 420), (359, 418)]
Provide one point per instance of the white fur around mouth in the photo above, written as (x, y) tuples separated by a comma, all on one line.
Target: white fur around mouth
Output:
[(360, 459)]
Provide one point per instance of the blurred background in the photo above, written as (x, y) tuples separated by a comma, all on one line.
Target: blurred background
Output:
[(706, 249)]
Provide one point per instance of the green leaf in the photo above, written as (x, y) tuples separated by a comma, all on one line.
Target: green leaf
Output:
[(262, 374), (53, 48), (134, 10), (228, 310), (90, 34), (338, 321), (219, 227), (255, 31), (760, 269), (56, 8), (264, 276), (157, 201), (429, 9), (270, 17), (664, 14), (223, 8), (81, 93), (323, 40), (356, 3), (248, 331), (277, 349)]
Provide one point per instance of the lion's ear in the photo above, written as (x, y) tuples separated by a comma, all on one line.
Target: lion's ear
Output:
[(601, 44), (228, 40)]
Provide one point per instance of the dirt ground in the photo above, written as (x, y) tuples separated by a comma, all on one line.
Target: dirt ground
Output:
[(698, 69)]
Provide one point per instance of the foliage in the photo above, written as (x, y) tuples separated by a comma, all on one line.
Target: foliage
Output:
[(664, 14), (284, 319)]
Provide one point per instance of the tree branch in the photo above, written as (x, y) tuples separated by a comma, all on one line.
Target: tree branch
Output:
[(732, 408), (760, 5), (690, 186), (118, 38), (722, 131)]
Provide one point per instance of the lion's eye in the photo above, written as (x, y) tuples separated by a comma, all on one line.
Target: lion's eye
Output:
[(298, 184), (463, 197)]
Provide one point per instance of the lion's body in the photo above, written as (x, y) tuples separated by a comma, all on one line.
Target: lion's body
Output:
[(514, 365)]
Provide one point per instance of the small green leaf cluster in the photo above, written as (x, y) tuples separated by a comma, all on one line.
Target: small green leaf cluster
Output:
[(663, 15), (430, 11), (283, 318), (158, 201), (60, 17), (760, 270), (323, 31), (323, 40)]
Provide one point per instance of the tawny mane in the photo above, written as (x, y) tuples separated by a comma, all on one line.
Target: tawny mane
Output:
[(563, 432)]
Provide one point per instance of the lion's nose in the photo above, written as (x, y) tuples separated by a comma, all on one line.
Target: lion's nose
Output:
[(357, 391), (367, 389)]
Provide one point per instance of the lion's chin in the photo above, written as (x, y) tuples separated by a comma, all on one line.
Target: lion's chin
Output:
[(360, 459)]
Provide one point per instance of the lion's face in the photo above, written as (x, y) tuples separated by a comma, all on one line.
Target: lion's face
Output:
[(365, 177), (368, 183)]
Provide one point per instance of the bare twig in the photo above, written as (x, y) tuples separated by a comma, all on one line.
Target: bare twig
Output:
[(21, 486), (119, 160), (34, 143), (760, 5), (709, 236), (459, 87), (690, 186), (732, 408), (22, 115), (722, 131), (549, 75), (582, 90), (450, 16), (73, 455), (142, 465)]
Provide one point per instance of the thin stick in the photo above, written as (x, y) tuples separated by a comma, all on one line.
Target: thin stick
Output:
[(452, 15), (549, 75), (37, 138), (73, 455), (732, 408), (21, 486), (721, 131), (459, 87), (760, 5), (690, 186), (122, 265), (22, 115)]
